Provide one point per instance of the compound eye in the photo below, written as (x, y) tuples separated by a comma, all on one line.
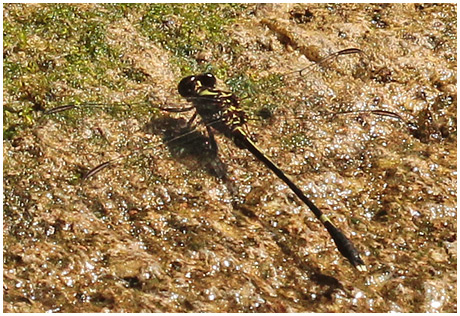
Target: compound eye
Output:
[(186, 86), (207, 80)]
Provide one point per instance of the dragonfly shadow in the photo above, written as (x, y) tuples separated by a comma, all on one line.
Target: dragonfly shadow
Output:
[(287, 244), (187, 145)]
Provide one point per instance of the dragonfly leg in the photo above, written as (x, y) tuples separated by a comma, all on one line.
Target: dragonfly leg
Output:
[(176, 110), (190, 121), (212, 141)]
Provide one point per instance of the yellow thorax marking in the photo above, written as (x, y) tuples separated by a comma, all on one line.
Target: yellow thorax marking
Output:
[(207, 92)]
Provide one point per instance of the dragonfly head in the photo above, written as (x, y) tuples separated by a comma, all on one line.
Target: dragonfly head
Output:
[(188, 87)]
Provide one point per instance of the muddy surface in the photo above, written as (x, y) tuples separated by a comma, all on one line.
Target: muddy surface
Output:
[(175, 227)]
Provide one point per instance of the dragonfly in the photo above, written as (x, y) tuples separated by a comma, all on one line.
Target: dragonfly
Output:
[(220, 112)]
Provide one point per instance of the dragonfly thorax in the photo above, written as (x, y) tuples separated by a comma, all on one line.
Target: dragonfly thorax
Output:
[(217, 108)]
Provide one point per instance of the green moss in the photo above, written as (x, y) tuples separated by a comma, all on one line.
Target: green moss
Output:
[(187, 29), (73, 49), (56, 43)]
